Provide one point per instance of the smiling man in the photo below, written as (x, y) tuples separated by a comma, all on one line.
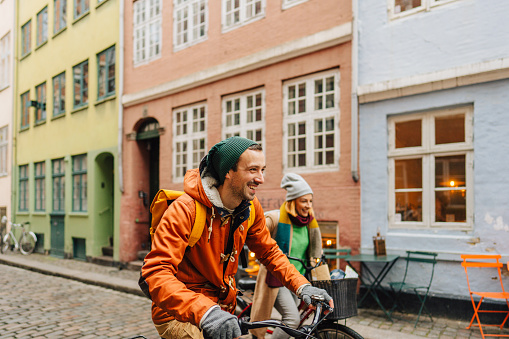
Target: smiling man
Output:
[(193, 289)]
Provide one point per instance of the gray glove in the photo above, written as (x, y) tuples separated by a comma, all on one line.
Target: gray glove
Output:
[(220, 325), (308, 291)]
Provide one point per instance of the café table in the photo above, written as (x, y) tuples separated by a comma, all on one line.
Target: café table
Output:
[(369, 279)]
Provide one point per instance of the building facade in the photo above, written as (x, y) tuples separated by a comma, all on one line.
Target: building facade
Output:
[(277, 72), (66, 122), (433, 93), (7, 32)]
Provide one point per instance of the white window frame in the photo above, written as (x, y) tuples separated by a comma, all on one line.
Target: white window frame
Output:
[(4, 147), (426, 6), (308, 118), (243, 127), (290, 3), (188, 13), (147, 31), (189, 131), (5, 61), (244, 10), (427, 152)]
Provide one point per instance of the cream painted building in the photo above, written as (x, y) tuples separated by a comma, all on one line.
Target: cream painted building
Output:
[(66, 122)]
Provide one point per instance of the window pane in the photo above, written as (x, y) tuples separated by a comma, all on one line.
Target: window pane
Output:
[(450, 206), (408, 133), (408, 173), (405, 5), (408, 206), (449, 129)]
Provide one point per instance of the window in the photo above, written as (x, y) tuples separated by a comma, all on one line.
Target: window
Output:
[(42, 26), (81, 7), (59, 18), (399, 8), (59, 94), (26, 41), (23, 188), (40, 178), (244, 115), (431, 170), (147, 30), (4, 143), (79, 180), (190, 22), (240, 12), (25, 104), (311, 122), (80, 76), (106, 73), (58, 173), (291, 3), (5, 61), (190, 138), (40, 110)]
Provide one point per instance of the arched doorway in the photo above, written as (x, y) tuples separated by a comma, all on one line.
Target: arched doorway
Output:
[(147, 138)]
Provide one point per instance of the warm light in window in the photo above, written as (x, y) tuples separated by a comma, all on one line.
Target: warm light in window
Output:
[(251, 254), (451, 183), (329, 242)]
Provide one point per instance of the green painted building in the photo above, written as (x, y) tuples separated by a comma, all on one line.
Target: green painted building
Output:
[(65, 125)]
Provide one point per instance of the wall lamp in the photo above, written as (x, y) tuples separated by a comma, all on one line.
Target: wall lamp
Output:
[(38, 105)]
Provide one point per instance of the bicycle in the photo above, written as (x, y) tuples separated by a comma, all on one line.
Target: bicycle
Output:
[(321, 326), (26, 242)]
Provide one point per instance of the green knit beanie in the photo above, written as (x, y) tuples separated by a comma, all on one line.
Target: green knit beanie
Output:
[(223, 155)]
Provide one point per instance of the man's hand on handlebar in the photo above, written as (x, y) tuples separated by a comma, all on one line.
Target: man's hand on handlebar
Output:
[(309, 291)]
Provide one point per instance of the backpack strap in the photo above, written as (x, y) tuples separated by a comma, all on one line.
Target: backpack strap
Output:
[(199, 223)]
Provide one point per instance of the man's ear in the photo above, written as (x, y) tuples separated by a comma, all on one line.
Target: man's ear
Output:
[(228, 175)]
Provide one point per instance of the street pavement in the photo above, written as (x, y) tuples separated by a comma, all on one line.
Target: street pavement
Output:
[(105, 302)]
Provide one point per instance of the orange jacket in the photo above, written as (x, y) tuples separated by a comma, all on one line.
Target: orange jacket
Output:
[(185, 282)]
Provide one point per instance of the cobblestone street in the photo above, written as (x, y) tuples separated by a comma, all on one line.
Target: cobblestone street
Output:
[(34, 305)]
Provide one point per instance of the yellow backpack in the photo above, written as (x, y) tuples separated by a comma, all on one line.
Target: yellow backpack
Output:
[(164, 198)]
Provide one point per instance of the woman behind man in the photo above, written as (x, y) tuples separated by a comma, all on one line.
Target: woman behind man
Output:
[(296, 232)]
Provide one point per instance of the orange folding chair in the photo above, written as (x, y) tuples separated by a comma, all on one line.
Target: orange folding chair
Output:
[(483, 261)]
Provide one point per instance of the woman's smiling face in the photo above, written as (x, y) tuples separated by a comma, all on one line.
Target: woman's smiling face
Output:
[(304, 204)]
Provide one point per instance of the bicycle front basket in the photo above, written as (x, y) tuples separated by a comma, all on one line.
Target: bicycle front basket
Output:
[(344, 294)]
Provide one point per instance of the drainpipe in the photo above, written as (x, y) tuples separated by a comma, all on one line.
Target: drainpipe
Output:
[(355, 101), (120, 93)]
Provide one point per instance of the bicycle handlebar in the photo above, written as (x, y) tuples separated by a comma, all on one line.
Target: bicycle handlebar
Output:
[(304, 332)]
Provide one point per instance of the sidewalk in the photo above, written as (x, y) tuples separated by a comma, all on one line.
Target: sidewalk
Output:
[(371, 324)]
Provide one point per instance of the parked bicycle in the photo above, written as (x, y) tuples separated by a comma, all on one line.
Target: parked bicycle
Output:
[(322, 326), (26, 242)]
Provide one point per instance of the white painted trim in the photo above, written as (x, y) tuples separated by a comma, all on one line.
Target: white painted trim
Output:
[(324, 39), (449, 78)]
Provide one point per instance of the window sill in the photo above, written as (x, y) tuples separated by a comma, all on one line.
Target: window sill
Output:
[(59, 32), (39, 213), (105, 99), (61, 115), (79, 109), (25, 128), (4, 87), (23, 57), (23, 213), (39, 123), (41, 45), (79, 214), (81, 17), (101, 3)]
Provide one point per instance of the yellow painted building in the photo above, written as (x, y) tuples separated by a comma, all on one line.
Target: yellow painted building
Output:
[(66, 125)]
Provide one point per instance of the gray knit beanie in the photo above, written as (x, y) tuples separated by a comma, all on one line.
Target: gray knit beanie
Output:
[(223, 155), (295, 186)]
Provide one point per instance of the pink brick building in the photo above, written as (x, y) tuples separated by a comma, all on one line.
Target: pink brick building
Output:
[(275, 71)]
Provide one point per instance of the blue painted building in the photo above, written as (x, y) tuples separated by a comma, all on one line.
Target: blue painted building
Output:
[(433, 90)]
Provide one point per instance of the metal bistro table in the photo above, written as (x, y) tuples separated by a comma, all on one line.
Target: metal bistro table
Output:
[(369, 279)]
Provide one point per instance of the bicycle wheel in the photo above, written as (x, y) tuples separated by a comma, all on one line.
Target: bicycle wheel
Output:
[(27, 242), (6, 245), (336, 331)]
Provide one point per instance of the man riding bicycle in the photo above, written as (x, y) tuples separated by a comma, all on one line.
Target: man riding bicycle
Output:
[(193, 289)]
